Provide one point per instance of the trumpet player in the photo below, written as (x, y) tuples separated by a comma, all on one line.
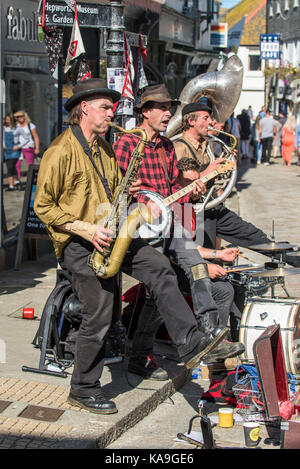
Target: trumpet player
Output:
[(78, 172)]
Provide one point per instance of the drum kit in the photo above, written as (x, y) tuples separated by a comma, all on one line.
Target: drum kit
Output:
[(261, 311)]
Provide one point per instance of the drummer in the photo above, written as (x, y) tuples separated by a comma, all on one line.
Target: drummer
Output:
[(220, 222)]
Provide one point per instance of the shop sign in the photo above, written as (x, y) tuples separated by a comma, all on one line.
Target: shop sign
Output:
[(270, 46), (218, 35), (89, 14), (19, 25)]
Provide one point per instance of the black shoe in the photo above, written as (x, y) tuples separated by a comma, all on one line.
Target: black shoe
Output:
[(193, 358), (18, 186), (98, 405), (147, 368), (207, 324), (224, 350)]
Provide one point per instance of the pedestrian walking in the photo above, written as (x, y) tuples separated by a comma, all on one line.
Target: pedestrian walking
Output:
[(276, 149), (29, 141), (288, 140), (257, 150), (245, 132), (266, 134), (11, 151)]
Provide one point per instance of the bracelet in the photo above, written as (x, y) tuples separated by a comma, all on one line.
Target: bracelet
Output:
[(214, 255)]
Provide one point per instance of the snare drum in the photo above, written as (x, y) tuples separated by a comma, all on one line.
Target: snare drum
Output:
[(244, 276), (260, 313)]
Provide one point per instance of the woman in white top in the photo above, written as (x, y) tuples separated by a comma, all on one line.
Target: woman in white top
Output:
[(29, 142)]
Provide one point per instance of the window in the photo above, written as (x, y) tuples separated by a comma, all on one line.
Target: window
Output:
[(254, 63)]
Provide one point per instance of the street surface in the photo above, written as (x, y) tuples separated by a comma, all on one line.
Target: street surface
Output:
[(151, 414)]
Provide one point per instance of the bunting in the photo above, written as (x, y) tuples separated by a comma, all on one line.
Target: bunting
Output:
[(141, 57), (76, 57), (53, 37)]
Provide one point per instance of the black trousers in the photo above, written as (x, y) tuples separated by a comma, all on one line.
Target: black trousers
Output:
[(222, 296), (96, 295), (266, 144), (222, 222)]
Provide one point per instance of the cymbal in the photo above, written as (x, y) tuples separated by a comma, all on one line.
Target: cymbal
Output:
[(280, 272), (272, 247)]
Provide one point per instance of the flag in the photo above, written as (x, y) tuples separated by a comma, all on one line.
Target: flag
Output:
[(76, 59), (76, 47), (127, 91), (53, 37), (84, 72), (141, 76), (128, 60)]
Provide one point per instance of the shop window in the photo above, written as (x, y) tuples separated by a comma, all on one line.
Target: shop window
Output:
[(254, 63)]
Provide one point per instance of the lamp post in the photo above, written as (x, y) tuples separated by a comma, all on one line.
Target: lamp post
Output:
[(115, 41), (115, 54)]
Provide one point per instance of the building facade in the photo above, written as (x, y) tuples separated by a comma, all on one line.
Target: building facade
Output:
[(283, 17), (246, 22)]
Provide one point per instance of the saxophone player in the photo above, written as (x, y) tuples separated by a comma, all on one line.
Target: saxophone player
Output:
[(78, 172)]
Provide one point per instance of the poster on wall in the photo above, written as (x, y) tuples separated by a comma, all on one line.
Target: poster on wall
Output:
[(115, 81)]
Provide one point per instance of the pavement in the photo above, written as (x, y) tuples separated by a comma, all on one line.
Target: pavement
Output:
[(34, 413)]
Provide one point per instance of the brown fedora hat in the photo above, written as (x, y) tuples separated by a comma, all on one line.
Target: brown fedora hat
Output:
[(88, 88), (156, 93)]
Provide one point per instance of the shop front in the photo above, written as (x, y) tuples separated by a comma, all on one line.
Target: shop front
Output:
[(171, 47), (28, 83)]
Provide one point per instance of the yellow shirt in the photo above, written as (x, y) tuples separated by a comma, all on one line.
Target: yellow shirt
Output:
[(199, 148), (69, 188)]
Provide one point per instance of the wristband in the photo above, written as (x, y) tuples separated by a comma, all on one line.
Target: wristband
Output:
[(214, 255)]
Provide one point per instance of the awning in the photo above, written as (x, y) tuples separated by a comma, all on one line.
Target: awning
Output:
[(152, 5)]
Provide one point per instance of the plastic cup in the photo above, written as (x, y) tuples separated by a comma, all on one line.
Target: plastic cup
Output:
[(225, 417), (251, 433)]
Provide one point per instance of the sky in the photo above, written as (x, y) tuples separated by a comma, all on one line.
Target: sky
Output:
[(229, 3)]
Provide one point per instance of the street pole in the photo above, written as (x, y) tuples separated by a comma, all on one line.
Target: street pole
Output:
[(115, 55), (115, 41)]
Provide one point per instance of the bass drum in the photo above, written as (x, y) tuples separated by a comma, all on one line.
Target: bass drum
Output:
[(259, 313)]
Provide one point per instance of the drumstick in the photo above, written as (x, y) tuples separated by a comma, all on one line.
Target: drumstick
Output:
[(243, 268), (244, 257)]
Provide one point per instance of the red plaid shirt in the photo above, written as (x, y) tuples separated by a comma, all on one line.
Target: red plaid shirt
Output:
[(151, 170)]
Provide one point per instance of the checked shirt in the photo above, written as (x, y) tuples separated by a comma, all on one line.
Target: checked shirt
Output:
[(151, 171)]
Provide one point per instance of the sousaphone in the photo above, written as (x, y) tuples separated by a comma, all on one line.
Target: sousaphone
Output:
[(223, 89)]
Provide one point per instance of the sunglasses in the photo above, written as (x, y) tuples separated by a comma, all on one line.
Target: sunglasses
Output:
[(18, 117)]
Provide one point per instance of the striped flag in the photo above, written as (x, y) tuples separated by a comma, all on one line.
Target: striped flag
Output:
[(127, 91)]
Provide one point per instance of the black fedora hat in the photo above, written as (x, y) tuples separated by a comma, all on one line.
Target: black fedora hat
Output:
[(157, 94), (202, 105), (89, 88)]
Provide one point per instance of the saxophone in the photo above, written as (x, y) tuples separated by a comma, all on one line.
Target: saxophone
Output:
[(106, 264)]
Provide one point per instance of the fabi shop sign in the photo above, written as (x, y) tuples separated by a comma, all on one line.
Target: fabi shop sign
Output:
[(20, 27)]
